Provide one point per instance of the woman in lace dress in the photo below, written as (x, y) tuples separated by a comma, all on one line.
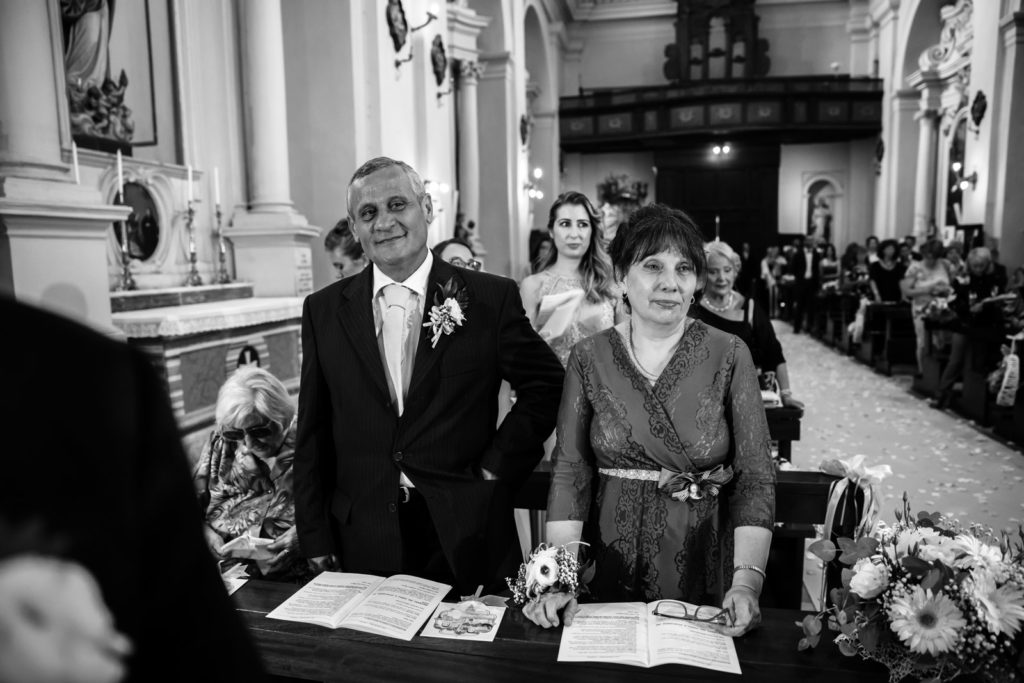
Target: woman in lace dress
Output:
[(663, 446), (572, 296)]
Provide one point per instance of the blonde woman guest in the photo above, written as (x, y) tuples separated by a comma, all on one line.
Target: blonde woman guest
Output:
[(926, 280), (573, 296), (244, 476), (654, 409), (722, 307)]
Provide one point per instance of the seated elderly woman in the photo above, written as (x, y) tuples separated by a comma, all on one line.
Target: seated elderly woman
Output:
[(662, 443), (722, 307), (244, 476)]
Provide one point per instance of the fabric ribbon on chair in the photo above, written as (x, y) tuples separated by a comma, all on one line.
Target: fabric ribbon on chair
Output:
[(697, 485), (853, 474)]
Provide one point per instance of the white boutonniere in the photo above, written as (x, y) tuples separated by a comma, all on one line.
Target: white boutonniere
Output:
[(448, 311)]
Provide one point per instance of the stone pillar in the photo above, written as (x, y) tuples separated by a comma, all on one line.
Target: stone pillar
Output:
[(469, 140), (900, 156), (924, 187), (930, 87), (272, 240), (53, 233), (1008, 214)]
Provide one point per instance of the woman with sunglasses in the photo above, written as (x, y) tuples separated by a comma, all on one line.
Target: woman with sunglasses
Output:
[(458, 253), (573, 295), (244, 476)]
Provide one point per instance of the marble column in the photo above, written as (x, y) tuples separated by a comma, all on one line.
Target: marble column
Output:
[(924, 187), (469, 142), (272, 241), (1008, 220), (53, 232)]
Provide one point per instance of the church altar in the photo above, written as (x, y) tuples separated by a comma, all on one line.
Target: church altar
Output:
[(195, 346)]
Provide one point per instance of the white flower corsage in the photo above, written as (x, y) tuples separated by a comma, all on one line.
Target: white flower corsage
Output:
[(448, 311)]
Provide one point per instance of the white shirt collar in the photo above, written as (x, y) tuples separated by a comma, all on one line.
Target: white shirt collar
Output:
[(417, 282)]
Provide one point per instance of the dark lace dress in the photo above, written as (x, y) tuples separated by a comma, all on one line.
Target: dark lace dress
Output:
[(704, 410)]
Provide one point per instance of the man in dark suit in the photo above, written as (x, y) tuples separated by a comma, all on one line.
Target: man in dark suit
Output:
[(399, 466), (94, 474), (805, 266)]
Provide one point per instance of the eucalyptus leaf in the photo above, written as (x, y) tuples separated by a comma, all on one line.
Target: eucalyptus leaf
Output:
[(823, 549), (847, 648)]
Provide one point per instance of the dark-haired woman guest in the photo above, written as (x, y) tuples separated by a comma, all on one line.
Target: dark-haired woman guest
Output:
[(662, 442), (887, 272), (344, 250), (573, 295)]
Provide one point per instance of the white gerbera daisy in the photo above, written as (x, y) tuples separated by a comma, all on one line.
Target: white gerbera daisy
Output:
[(1001, 607), (975, 553), (926, 623), (918, 536)]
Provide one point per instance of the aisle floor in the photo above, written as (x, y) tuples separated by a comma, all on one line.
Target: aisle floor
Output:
[(942, 461)]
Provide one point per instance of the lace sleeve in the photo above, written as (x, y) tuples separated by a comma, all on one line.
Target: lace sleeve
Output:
[(752, 502), (572, 460)]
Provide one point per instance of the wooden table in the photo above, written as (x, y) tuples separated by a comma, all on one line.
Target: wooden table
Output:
[(520, 652)]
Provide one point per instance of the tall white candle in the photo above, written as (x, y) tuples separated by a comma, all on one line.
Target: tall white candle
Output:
[(120, 176), (74, 163), (216, 186), (189, 184), (717, 225)]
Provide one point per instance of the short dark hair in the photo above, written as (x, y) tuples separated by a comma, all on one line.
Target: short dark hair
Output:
[(441, 246), (653, 229), (870, 239), (933, 248), (341, 236), (889, 243)]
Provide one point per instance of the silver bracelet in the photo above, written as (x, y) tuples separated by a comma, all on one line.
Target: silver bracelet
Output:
[(751, 567)]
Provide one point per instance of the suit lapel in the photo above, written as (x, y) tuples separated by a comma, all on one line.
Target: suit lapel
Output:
[(356, 316), (427, 355)]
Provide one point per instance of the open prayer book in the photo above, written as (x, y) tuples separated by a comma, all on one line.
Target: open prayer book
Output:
[(395, 607), (629, 633)]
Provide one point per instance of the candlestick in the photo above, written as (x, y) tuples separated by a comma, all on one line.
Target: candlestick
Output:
[(223, 277), (216, 186), (127, 282), (717, 227), (120, 175), (194, 280), (188, 186), (74, 163)]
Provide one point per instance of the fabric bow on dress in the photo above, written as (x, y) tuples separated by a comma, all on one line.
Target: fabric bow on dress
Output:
[(697, 485)]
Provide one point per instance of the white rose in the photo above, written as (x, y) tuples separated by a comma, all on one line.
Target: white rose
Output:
[(542, 572), (869, 579), (942, 549), (919, 537)]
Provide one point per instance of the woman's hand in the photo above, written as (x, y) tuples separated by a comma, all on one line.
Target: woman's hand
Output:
[(741, 602), (286, 546), (213, 541), (543, 610), (790, 402)]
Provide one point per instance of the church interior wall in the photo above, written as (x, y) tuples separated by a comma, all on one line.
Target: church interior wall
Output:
[(805, 38), (584, 172)]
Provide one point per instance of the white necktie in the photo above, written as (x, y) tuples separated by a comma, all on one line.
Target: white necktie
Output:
[(396, 299)]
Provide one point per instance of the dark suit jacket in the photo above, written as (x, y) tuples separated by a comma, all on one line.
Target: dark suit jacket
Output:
[(799, 266), (351, 442), (92, 452)]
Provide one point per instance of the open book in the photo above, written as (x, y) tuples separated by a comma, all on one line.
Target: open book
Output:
[(395, 607), (628, 633)]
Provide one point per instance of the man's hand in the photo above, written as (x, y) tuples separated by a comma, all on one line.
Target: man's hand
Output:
[(544, 609), (325, 563)]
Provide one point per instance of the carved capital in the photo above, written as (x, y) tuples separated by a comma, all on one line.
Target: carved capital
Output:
[(470, 71)]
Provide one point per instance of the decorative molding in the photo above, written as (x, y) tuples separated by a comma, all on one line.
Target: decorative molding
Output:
[(470, 71), (197, 318)]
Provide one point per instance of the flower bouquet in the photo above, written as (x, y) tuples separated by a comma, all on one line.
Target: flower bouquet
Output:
[(549, 569), (928, 598)]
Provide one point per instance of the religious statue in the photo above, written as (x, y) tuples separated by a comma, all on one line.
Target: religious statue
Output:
[(438, 59), (397, 25), (95, 101), (821, 220), (619, 198)]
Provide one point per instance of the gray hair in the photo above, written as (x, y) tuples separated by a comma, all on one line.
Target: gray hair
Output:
[(379, 163), (980, 255), (720, 248), (250, 390)]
